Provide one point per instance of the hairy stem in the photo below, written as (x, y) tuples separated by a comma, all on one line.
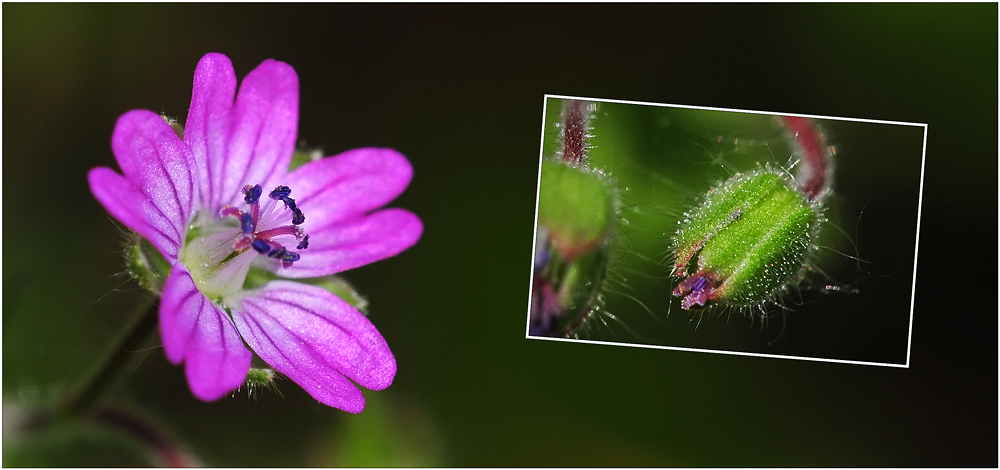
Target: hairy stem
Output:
[(813, 173), (575, 131)]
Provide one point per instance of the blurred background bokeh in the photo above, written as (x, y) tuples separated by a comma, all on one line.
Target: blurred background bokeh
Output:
[(459, 90)]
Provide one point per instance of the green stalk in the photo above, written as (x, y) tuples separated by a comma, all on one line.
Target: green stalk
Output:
[(104, 377)]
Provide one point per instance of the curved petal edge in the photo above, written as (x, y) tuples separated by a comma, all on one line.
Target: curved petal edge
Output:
[(317, 340)]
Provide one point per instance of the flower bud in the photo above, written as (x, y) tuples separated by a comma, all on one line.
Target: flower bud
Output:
[(145, 264), (576, 217), (749, 239), (576, 206), (259, 376)]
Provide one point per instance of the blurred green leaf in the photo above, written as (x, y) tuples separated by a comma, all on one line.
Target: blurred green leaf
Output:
[(389, 433)]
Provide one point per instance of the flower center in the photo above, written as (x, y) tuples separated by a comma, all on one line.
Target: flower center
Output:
[(263, 232), (219, 254)]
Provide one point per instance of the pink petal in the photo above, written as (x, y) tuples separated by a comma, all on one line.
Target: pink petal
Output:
[(348, 185), (316, 339), (120, 197), (157, 163), (356, 242), (208, 123), (264, 124), (197, 332)]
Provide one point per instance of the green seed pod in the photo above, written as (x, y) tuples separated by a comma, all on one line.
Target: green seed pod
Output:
[(748, 240)]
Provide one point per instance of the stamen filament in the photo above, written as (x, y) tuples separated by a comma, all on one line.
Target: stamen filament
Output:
[(283, 230)]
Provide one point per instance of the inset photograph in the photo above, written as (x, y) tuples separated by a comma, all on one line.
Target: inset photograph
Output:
[(743, 232)]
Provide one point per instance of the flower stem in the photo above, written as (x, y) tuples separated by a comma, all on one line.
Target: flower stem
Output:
[(167, 452), (575, 131), (813, 173), (99, 382)]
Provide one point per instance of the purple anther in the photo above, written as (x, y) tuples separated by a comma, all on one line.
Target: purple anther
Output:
[(298, 217), (247, 224), (252, 193), (278, 254), (304, 243), (280, 193), (289, 203), (261, 246), (287, 258)]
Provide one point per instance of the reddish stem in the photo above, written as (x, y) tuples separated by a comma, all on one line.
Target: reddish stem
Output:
[(575, 131), (814, 155)]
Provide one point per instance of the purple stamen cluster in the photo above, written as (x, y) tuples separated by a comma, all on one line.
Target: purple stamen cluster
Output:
[(262, 239), (696, 290)]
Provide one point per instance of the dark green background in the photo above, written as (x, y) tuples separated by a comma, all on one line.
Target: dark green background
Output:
[(459, 89)]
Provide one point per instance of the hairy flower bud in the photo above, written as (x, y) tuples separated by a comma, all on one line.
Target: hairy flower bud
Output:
[(145, 264), (745, 242), (577, 206)]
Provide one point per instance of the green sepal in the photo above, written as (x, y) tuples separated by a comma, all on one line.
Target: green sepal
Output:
[(259, 379), (577, 207), (334, 284), (145, 264), (260, 376), (175, 125), (302, 155)]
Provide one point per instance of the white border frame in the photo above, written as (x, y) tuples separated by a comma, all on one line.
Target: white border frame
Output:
[(916, 249)]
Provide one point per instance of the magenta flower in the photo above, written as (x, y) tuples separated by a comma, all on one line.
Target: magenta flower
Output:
[(222, 202)]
